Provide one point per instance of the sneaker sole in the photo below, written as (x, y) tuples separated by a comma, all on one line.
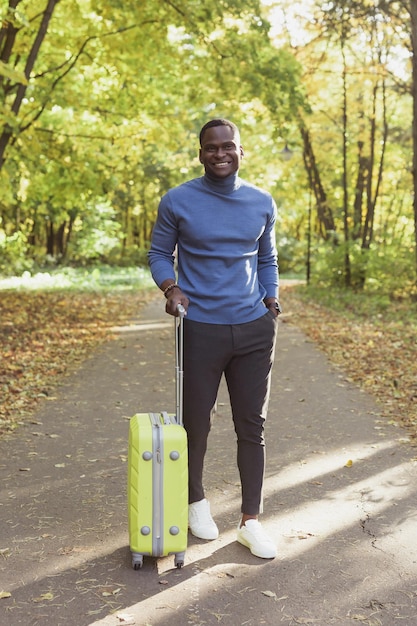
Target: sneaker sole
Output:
[(265, 555), (207, 537)]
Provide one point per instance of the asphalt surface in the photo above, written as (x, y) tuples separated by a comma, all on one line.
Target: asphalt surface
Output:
[(340, 501)]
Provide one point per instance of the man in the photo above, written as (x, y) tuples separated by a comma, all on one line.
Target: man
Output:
[(223, 228)]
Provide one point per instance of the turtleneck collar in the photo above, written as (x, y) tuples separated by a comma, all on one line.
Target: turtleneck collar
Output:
[(222, 185)]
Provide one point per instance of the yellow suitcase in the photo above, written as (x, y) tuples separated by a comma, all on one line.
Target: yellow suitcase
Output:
[(157, 491)]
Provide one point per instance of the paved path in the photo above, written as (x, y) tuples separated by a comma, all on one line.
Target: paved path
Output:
[(340, 500)]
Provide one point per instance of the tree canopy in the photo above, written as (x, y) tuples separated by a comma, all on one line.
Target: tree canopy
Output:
[(102, 102)]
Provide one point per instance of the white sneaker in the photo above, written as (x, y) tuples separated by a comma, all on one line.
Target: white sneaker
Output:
[(253, 536), (200, 521)]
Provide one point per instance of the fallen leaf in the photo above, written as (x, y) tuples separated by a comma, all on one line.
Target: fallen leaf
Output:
[(108, 592), (44, 596), (349, 463), (47, 335), (59, 465), (125, 619), (387, 371), (5, 594), (269, 594)]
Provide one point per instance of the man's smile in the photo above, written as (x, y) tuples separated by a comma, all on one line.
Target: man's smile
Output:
[(220, 151)]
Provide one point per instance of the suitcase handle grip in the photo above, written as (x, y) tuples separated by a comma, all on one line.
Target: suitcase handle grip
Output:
[(179, 362)]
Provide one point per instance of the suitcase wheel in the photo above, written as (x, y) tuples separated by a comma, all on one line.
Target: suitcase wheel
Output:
[(137, 561), (179, 560)]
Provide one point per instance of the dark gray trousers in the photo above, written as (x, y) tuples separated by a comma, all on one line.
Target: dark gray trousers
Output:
[(244, 353)]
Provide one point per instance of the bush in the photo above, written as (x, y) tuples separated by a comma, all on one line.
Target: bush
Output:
[(14, 254), (96, 235), (292, 256), (387, 271)]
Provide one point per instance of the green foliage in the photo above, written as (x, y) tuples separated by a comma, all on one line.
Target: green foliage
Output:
[(365, 305), (96, 235), (292, 255), (113, 109), (110, 114), (391, 271), (13, 251), (387, 271)]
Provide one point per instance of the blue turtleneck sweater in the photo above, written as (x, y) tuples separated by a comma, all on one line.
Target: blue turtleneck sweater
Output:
[(225, 238)]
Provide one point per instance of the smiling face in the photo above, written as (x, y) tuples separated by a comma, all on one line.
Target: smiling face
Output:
[(220, 151)]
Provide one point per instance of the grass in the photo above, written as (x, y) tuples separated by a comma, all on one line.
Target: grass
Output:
[(101, 278), (361, 305)]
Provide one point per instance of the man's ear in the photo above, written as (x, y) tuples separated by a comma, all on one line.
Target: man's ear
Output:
[(242, 154), (199, 156)]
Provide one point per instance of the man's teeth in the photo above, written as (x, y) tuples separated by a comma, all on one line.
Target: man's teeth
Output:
[(224, 164)]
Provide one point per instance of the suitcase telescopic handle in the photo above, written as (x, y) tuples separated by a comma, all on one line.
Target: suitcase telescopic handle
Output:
[(179, 362)]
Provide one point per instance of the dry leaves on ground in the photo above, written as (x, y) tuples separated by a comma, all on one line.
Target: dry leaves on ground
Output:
[(43, 335), (381, 357)]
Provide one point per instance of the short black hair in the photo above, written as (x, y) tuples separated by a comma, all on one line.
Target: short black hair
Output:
[(220, 121)]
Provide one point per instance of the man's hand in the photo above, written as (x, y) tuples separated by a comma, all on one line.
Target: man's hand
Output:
[(176, 297), (273, 305)]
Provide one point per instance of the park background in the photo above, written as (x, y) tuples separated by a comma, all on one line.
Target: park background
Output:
[(101, 103)]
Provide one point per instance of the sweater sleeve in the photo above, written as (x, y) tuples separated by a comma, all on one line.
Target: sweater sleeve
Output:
[(268, 258), (164, 240)]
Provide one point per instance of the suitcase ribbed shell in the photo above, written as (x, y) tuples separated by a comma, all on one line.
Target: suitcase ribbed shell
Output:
[(157, 486)]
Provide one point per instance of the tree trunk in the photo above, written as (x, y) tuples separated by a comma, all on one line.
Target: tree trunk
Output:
[(324, 212), (69, 233), (60, 239), (372, 194), (413, 11), (359, 192), (50, 239), (7, 37), (347, 264)]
